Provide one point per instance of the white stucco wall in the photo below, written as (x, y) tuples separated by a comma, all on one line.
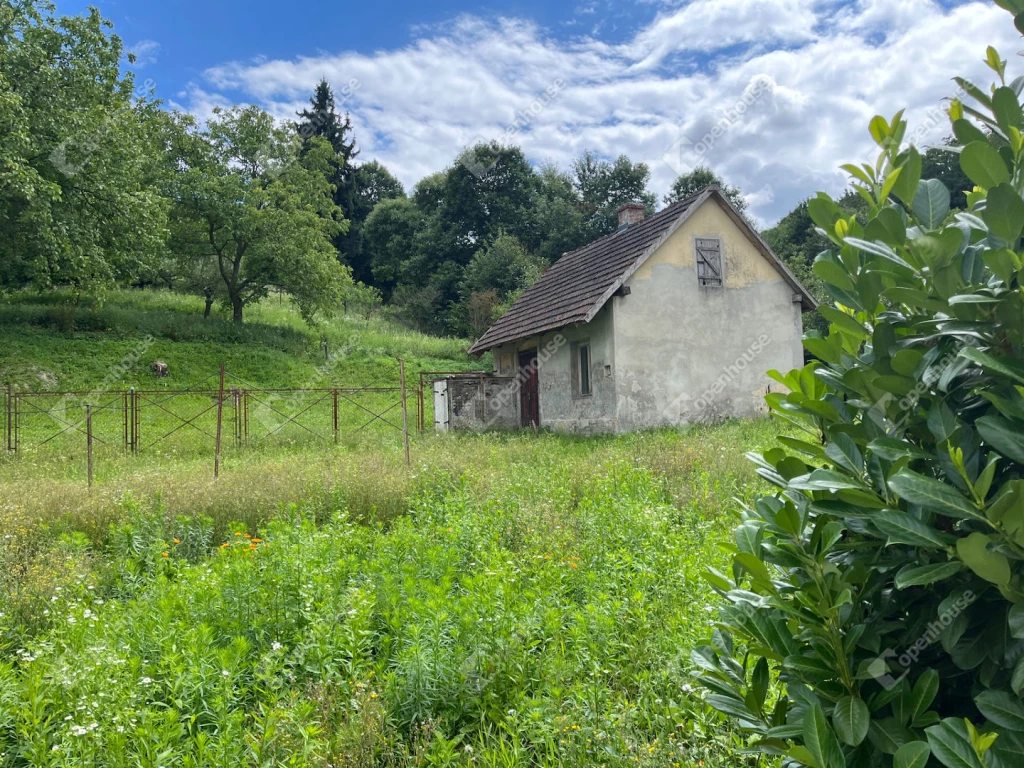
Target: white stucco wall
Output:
[(689, 354)]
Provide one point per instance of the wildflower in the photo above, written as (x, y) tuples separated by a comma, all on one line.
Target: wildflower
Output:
[(177, 541), (687, 688), (164, 554), (275, 646), (257, 541), (225, 673), (225, 545), (145, 681)]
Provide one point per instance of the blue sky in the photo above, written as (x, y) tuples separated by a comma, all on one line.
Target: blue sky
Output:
[(773, 94)]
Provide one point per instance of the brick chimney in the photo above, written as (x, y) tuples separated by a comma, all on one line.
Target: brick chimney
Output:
[(630, 214)]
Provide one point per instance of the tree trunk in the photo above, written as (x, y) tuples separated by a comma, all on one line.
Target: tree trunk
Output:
[(236, 310), (209, 307)]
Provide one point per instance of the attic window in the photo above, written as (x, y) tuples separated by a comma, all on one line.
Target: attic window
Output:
[(709, 262)]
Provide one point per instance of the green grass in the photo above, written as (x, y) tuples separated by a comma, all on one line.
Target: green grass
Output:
[(532, 598), (512, 599), (48, 344)]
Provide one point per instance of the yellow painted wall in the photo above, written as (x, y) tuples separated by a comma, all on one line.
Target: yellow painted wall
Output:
[(744, 264)]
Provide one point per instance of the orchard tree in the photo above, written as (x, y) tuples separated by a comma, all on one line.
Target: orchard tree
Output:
[(79, 154), (246, 198)]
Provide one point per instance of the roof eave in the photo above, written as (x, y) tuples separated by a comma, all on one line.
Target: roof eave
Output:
[(671, 230)]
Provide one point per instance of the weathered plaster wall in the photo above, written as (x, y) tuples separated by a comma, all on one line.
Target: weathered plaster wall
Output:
[(560, 408), (688, 354), (478, 402)]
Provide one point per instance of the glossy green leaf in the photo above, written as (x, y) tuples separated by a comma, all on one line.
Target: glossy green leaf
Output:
[(914, 754), (975, 552), (1003, 435), (851, 719), (932, 495), (926, 574), (983, 165), (931, 203), (1004, 212), (820, 741), (902, 528), (950, 747)]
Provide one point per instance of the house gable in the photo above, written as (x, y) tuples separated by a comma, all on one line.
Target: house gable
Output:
[(742, 263)]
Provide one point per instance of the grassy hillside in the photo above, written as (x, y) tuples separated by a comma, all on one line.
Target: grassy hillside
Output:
[(48, 343)]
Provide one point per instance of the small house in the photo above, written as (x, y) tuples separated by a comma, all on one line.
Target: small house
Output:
[(672, 319)]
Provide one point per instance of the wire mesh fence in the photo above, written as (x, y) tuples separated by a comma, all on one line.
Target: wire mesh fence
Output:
[(220, 412)]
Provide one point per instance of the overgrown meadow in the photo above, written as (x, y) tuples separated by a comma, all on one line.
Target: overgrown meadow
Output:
[(510, 600)]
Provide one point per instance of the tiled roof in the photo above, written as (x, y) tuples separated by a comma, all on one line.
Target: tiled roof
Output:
[(577, 285)]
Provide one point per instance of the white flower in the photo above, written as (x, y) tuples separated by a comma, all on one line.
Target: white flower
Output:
[(71, 619), (225, 673), (275, 646), (145, 681), (687, 688)]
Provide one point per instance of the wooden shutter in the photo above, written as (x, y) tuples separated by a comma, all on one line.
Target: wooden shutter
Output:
[(709, 262)]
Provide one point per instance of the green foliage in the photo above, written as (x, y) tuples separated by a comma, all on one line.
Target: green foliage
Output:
[(603, 186), (80, 154), (699, 179), (249, 208), (881, 583), (540, 623)]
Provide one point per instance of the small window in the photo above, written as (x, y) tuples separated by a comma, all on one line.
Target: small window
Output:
[(584, 363), (709, 262)]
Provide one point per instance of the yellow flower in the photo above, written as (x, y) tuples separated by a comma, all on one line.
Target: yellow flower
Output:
[(164, 554)]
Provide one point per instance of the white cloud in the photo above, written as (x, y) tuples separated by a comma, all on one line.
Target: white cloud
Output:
[(831, 67), (145, 52)]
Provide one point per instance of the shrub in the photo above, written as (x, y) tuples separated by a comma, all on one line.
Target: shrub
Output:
[(881, 583)]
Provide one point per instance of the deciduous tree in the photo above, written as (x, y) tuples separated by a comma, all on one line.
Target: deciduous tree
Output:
[(261, 210)]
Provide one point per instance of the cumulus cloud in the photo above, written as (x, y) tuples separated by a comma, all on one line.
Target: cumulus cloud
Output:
[(784, 87), (145, 52)]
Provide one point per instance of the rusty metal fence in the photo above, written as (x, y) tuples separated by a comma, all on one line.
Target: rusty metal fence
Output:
[(220, 411)]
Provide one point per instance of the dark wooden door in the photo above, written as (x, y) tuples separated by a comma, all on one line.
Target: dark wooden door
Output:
[(529, 402)]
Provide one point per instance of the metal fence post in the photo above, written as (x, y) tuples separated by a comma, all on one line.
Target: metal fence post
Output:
[(133, 405), (125, 410), (220, 419), (88, 440), (335, 393), (405, 410), (9, 403)]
